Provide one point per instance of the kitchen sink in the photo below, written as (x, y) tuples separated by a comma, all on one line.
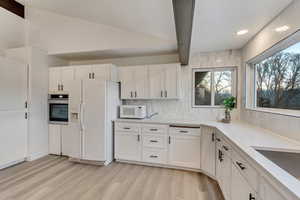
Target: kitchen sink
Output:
[(290, 162)]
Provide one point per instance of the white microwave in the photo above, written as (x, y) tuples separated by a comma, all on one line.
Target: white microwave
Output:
[(133, 112)]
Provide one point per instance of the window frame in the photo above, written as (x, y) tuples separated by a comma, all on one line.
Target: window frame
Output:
[(251, 74), (212, 70)]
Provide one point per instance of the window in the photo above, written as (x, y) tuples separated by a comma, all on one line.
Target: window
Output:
[(277, 80), (212, 86)]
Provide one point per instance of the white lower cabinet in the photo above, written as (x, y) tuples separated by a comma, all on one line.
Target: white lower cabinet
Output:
[(240, 189), (184, 151), (128, 146), (152, 155), (59, 139), (208, 150)]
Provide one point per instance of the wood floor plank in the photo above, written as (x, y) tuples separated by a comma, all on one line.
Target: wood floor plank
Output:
[(56, 178)]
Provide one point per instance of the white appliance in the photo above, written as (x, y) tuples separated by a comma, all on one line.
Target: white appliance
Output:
[(93, 105), (133, 112)]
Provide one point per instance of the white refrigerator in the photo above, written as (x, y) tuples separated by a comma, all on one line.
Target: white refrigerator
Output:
[(93, 105)]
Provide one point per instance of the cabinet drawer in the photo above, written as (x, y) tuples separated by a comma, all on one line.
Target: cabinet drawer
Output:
[(162, 129), (185, 131), (154, 156), (246, 169), (154, 141), (127, 127)]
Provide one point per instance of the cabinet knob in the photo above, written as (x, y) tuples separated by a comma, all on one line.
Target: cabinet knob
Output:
[(241, 165), (251, 197)]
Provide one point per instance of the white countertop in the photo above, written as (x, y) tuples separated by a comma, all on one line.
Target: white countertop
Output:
[(247, 138)]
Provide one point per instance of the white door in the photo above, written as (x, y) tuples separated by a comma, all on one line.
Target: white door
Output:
[(75, 119), (184, 151), (141, 82), (54, 79), (101, 72), (128, 146), (13, 137), (13, 85), (94, 116), (83, 72), (156, 82), (54, 139), (127, 82), (208, 151), (67, 75), (240, 187), (171, 81)]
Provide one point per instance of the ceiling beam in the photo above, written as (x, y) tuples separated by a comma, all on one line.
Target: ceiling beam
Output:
[(14, 7), (184, 15)]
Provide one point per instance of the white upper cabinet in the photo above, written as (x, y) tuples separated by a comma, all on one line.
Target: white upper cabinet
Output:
[(134, 82), (150, 82), (59, 78), (96, 72)]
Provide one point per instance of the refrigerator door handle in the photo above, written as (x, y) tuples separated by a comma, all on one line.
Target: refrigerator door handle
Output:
[(81, 116)]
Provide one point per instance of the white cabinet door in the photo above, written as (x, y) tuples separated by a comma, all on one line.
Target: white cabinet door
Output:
[(127, 77), (128, 146), (67, 75), (240, 187), (268, 192), (208, 151), (223, 172), (184, 151), (171, 81), (54, 139), (141, 82), (66, 134), (54, 79), (94, 120), (101, 72), (156, 82), (83, 72)]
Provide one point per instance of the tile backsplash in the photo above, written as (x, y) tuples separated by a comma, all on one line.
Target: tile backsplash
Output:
[(182, 108)]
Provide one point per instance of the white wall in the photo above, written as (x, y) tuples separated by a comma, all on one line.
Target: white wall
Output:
[(284, 125), (60, 34), (182, 109)]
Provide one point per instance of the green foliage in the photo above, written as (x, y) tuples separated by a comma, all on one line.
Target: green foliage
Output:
[(229, 103)]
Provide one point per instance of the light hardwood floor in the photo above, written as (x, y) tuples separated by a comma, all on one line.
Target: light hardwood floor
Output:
[(55, 178)]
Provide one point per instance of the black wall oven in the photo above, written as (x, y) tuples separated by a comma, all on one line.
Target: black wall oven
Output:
[(58, 108)]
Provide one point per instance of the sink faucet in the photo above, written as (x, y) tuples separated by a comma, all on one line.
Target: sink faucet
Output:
[(151, 115)]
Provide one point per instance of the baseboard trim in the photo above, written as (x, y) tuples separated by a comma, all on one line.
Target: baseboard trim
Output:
[(11, 164), (36, 156)]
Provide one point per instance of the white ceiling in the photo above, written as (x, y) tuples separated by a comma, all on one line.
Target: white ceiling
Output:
[(12, 30), (217, 21), (153, 17)]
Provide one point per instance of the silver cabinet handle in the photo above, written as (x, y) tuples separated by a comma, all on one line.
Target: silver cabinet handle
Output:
[(126, 128), (62, 87), (213, 137), (58, 87), (166, 93), (241, 165), (161, 94), (135, 94), (183, 131), (90, 76), (138, 138), (131, 94), (153, 141), (169, 140), (225, 148), (152, 156), (153, 129), (93, 75)]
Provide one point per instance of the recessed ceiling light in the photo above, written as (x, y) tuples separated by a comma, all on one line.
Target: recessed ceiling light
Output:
[(242, 32), (282, 28)]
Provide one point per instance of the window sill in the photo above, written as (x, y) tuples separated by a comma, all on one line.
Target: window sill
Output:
[(290, 113)]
